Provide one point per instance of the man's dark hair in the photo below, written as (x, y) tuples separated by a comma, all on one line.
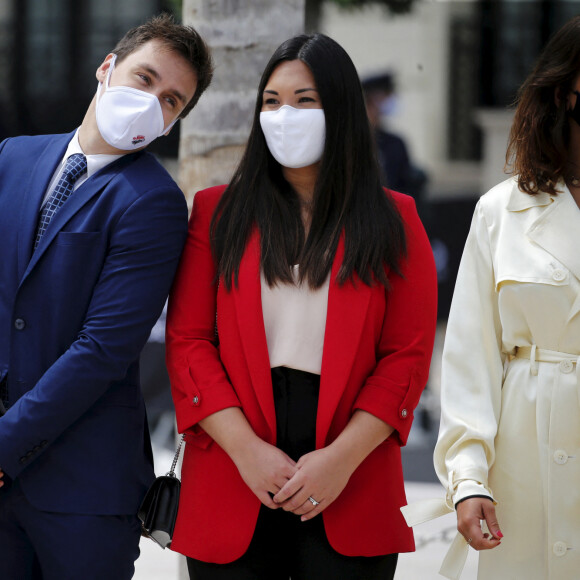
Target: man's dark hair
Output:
[(183, 40)]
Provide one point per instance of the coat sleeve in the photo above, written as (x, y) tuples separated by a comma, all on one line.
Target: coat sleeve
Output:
[(199, 382), (405, 347), (143, 253), (472, 372)]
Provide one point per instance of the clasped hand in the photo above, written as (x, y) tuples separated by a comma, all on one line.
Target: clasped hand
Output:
[(279, 482), (320, 475)]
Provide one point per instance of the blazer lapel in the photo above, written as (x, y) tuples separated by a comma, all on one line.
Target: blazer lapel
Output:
[(77, 200), (248, 300), (41, 175), (345, 319)]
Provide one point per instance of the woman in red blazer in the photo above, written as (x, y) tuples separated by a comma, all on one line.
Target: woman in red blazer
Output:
[(300, 331)]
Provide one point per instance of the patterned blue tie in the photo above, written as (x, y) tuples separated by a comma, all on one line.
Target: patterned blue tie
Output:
[(76, 165)]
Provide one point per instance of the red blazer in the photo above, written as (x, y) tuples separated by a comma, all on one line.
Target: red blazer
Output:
[(376, 356)]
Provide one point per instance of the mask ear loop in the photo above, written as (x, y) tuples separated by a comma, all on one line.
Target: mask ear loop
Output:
[(109, 72), (169, 127)]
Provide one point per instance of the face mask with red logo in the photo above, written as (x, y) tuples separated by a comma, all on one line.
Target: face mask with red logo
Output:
[(128, 118)]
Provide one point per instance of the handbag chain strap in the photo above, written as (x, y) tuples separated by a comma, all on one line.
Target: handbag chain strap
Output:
[(176, 457)]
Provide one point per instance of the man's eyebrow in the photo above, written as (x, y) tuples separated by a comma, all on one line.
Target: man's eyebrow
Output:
[(157, 77)]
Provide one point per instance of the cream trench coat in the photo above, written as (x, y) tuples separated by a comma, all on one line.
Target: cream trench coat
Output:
[(510, 424)]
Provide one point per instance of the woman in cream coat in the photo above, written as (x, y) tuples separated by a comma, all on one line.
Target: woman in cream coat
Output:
[(509, 444)]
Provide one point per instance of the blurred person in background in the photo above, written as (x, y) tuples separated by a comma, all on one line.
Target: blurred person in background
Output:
[(398, 172), (91, 230), (509, 445), (299, 336)]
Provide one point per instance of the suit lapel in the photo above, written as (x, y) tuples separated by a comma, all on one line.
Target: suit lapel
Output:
[(77, 200), (345, 319), (248, 300), (41, 175)]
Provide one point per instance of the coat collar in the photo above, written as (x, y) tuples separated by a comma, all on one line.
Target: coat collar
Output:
[(519, 201), (556, 227), (346, 314)]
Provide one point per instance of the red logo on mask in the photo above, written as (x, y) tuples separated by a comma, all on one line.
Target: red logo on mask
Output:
[(138, 139)]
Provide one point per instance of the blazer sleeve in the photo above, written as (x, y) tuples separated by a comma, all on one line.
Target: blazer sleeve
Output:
[(472, 372), (199, 383), (405, 346), (143, 253)]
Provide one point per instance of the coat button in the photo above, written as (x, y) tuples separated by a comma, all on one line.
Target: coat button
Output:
[(404, 413), (19, 324), (559, 548), (566, 366), (558, 275), (560, 457), (196, 400)]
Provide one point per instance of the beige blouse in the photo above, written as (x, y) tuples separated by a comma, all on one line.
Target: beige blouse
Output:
[(295, 320)]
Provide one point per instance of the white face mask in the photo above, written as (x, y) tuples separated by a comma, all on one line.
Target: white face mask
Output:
[(295, 137), (128, 118)]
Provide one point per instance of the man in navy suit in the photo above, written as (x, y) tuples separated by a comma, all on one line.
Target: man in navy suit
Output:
[(91, 231)]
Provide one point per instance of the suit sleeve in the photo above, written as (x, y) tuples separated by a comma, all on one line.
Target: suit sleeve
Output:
[(199, 382), (144, 249), (405, 346), (472, 372)]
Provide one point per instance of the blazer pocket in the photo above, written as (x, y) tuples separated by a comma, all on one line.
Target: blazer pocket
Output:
[(77, 238)]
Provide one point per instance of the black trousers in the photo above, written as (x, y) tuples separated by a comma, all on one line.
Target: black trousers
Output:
[(283, 547)]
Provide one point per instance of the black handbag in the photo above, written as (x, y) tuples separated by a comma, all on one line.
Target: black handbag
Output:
[(158, 510)]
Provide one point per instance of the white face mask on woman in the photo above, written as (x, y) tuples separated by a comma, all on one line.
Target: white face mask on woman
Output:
[(128, 118), (295, 137)]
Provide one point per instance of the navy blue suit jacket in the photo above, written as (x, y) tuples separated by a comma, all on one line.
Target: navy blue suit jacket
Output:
[(74, 316)]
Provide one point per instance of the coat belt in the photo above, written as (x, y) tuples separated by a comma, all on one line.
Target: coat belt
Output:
[(536, 355)]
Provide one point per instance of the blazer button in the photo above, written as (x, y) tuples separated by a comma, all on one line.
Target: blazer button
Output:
[(404, 413), (196, 400), (19, 324)]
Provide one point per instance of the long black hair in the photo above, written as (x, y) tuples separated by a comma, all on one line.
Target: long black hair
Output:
[(348, 196)]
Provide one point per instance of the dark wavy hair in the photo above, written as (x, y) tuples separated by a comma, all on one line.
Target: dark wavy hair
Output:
[(348, 196), (540, 134)]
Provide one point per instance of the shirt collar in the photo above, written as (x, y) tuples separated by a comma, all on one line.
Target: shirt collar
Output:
[(94, 162)]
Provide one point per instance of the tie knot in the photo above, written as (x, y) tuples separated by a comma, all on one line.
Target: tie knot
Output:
[(76, 165)]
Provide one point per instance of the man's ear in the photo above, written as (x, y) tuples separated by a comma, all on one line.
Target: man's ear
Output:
[(104, 68)]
